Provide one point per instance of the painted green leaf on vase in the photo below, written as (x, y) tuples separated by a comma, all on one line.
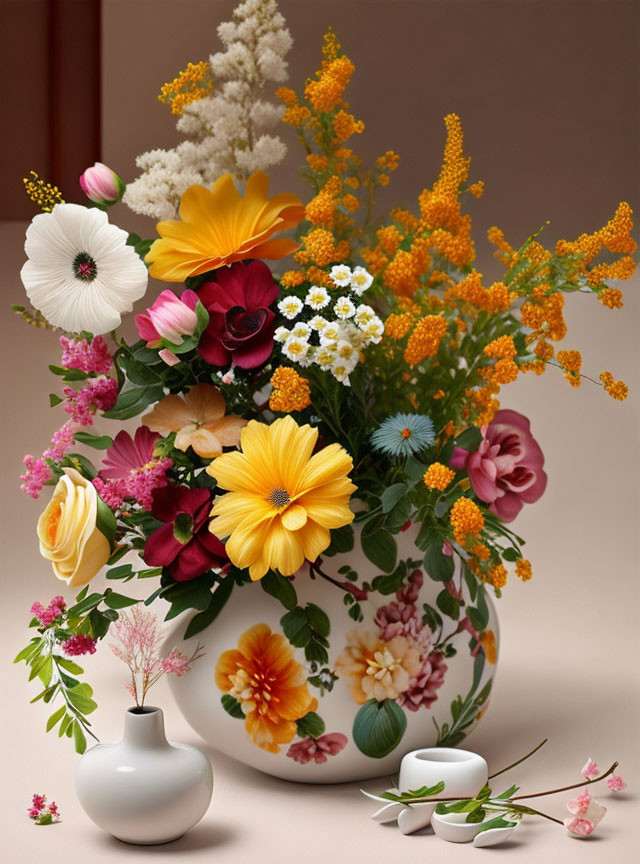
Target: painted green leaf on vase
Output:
[(378, 727)]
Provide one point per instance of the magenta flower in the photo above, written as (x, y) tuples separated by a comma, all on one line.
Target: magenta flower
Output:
[(241, 324), (98, 394), (317, 749), (615, 783), (79, 644), (101, 185), (184, 545), (87, 357), (506, 469), (37, 471), (131, 470), (46, 616), (169, 318)]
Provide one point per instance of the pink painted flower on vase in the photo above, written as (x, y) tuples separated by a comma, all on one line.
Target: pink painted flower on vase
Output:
[(101, 184), (586, 813), (317, 749), (184, 545), (131, 470), (241, 324), (170, 318), (506, 471)]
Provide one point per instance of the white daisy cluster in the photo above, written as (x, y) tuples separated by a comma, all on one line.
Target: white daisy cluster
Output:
[(333, 339), (229, 131)]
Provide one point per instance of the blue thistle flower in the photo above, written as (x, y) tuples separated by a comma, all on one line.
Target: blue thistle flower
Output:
[(404, 434)]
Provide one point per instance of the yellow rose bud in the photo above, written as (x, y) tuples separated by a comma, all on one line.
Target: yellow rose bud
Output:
[(68, 532)]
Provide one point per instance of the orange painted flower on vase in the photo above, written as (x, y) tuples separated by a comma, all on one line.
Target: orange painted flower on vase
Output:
[(218, 226), (263, 675)]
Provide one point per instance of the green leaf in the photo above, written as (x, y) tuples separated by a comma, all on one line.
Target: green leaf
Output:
[(318, 619), (187, 595), (390, 583), (278, 586), (414, 469), (381, 549), (66, 722), (296, 627), (439, 567), (448, 605), (106, 522), (232, 706), (28, 651), (133, 401), (431, 618), (44, 819), (310, 726), (55, 717), (469, 439), (511, 554), (98, 442), (81, 464), (55, 400), (85, 605), (119, 601), (82, 594), (342, 541), (120, 572), (218, 599), (378, 727), (392, 495), (80, 698), (508, 793), (79, 738), (120, 552), (69, 665), (498, 822)]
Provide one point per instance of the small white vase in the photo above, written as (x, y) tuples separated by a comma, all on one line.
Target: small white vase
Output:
[(464, 773), (144, 789)]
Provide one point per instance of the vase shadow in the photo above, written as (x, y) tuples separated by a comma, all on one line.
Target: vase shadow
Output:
[(203, 836)]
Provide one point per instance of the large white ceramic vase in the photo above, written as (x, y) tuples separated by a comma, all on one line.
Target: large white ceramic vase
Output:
[(362, 725)]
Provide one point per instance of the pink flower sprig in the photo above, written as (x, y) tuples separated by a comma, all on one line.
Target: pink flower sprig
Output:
[(38, 471), (46, 616), (137, 639), (86, 356), (41, 812), (98, 394)]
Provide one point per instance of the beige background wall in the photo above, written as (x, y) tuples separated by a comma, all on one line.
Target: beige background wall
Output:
[(548, 95)]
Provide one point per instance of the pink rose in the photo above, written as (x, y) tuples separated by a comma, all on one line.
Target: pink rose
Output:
[(169, 318), (506, 469), (102, 185)]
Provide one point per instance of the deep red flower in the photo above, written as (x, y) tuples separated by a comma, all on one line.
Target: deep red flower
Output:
[(241, 324), (184, 544)]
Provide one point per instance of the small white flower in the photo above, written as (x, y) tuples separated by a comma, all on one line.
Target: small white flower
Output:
[(294, 348), (317, 297), (374, 330), (344, 308), (330, 334), (318, 323), (340, 372), (227, 377), (345, 350), (309, 358), (290, 306), (364, 314), (361, 279), (281, 334), (341, 275), (301, 330), (324, 358), (81, 274)]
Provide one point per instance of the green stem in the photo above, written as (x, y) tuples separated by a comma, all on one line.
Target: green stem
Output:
[(513, 764)]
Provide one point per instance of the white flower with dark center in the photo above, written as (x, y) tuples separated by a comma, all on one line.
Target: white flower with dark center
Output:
[(341, 275), (344, 308), (318, 323), (317, 297), (81, 274), (290, 306), (361, 279)]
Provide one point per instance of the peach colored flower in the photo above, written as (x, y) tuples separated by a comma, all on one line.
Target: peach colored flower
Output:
[(270, 685), (199, 420), (375, 669)]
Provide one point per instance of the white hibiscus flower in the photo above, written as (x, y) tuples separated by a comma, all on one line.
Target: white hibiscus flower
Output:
[(81, 274)]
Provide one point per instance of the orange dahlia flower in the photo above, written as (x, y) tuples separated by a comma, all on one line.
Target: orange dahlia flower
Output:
[(217, 226), (270, 685), (199, 420)]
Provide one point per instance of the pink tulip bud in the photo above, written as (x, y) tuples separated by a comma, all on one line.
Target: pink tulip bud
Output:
[(169, 318), (102, 185)]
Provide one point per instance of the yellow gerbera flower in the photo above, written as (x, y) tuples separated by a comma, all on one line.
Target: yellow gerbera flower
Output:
[(217, 226), (282, 500)]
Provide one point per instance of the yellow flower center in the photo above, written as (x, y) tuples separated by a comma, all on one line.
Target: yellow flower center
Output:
[(279, 498), (381, 663), (254, 692), (54, 520), (406, 433)]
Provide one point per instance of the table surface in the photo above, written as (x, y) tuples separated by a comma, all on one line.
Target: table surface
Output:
[(568, 668)]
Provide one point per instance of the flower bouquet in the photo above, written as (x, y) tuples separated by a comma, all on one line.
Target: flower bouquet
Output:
[(317, 392)]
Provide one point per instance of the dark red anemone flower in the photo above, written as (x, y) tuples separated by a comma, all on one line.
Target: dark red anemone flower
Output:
[(241, 324), (183, 545)]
